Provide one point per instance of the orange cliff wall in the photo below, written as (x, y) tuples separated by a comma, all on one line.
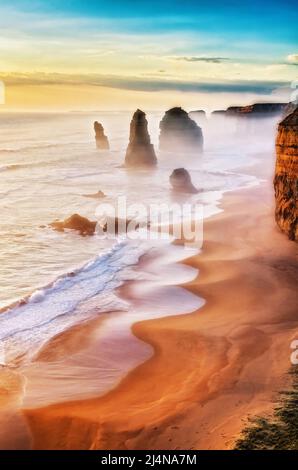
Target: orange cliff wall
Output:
[(286, 176)]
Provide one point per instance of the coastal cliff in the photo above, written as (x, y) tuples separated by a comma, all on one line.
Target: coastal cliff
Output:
[(257, 110), (256, 119), (286, 176)]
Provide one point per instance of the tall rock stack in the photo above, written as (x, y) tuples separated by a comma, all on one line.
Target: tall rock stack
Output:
[(140, 151), (286, 176), (179, 133), (100, 137)]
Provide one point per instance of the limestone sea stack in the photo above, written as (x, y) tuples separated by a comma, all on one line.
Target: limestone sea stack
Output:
[(181, 181), (140, 152), (178, 132), (286, 176), (100, 137)]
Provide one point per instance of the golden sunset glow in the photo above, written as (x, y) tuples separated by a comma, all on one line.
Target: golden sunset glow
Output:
[(64, 59)]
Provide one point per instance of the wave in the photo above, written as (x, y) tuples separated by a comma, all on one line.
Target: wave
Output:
[(72, 298), (18, 166), (41, 146), (15, 166)]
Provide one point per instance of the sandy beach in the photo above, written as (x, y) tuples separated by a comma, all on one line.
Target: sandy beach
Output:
[(211, 369), (148, 231)]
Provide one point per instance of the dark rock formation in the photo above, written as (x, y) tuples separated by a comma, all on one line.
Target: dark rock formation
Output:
[(257, 110), (178, 132), (181, 181), (140, 152), (100, 137), (286, 176), (234, 110), (75, 222), (218, 112), (245, 120)]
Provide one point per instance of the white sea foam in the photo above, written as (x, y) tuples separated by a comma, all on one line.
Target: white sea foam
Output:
[(51, 310)]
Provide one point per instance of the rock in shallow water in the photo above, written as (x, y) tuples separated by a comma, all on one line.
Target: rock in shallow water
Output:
[(75, 222), (286, 176), (181, 181), (99, 195), (86, 227)]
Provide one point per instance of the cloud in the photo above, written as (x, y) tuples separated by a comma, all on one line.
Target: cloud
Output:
[(141, 83), (292, 59), (211, 60)]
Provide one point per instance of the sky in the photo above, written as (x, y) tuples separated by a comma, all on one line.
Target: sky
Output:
[(109, 55)]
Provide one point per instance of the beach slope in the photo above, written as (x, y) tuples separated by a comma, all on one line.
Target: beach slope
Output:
[(211, 369)]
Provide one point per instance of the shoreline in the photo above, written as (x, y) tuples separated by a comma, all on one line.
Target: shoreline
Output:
[(231, 355), (92, 357)]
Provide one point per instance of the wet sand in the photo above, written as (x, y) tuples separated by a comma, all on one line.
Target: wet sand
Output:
[(211, 369)]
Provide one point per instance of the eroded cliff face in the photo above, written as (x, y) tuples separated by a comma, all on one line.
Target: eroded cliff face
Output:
[(140, 151), (286, 176)]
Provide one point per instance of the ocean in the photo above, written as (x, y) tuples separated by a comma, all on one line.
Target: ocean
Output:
[(48, 163)]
